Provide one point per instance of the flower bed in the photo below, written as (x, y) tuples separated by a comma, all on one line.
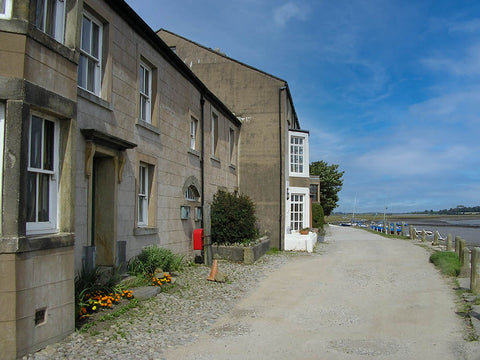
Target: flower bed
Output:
[(238, 253)]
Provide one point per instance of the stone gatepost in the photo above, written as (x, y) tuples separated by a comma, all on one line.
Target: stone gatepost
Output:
[(461, 246), (449, 242), (465, 261), (457, 245), (475, 271)]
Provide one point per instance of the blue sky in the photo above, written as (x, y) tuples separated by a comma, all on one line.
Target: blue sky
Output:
[(390, 90)]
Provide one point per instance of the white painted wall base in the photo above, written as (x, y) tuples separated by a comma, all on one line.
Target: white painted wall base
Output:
[(297, 242)]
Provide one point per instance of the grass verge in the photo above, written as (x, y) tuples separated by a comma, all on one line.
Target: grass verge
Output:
[(448, 262)]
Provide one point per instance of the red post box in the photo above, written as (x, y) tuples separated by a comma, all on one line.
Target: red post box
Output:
[(198, 239)]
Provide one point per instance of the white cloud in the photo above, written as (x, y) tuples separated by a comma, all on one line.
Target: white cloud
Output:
[(467, 65), (422, 156), (470, 26), (457, 107), (288, 11)]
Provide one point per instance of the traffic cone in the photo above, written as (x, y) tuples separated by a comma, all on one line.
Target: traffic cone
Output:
[(214, 271)]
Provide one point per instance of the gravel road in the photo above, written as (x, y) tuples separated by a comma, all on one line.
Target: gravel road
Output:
[(360, 296), (367, 297)]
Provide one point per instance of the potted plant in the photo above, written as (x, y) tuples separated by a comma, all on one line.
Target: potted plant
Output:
[(305, 231)]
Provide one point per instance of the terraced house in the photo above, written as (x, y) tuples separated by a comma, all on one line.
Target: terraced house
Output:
[(274, 155), (110, 143)]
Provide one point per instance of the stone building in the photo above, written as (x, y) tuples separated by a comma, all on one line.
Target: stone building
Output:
[(38, 114), (110, 144), (274, 149), (153, 143)]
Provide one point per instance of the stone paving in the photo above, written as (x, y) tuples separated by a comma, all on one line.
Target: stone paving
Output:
[(172, 318)]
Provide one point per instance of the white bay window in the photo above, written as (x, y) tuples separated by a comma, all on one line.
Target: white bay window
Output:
[(299, 154), (5, 9)]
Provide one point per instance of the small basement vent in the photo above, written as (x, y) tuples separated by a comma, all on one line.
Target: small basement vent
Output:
[(40, 316)]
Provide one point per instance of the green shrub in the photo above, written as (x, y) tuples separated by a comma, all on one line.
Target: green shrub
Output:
[(318, 218), (153, 257), (447, 262), (233, 218)]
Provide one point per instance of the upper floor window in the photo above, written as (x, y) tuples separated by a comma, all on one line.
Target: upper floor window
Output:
[(90, 65), (5, 9), (193, 133), (42, 175), (145, 93), (296, 154), (299, 154), (231, 143), (214, 133), (50, 18)]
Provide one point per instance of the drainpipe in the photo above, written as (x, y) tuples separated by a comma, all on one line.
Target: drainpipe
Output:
[(207, 250), (280, 136), (202, 169)]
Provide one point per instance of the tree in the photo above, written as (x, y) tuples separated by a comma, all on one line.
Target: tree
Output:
[(330, 184)]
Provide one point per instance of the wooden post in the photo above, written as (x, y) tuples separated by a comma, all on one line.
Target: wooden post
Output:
[(412, 233), (423, 235), (403, 229), (449, 242), (435, 238), (475, 271)]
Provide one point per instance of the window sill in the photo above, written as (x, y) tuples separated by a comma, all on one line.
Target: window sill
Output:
[(194, 152), (148, 126), (139, 231), (304, 175), (215, 159), (94, 99), (37, 242)]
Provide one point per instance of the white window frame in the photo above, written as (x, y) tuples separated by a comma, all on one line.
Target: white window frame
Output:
[(143, 195), (89, 56), (7, 13), (294, 198), (193, 133), (43, 227), (214, 133), (298, 154), (231, 145), (145, 93), (58, 19)]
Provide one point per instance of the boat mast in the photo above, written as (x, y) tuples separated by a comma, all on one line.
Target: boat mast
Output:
[(354, 205)]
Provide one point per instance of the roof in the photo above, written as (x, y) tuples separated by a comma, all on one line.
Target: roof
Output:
[(146, 32)]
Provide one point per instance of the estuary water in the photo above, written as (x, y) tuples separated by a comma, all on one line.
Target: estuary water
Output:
[(468, 229)]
